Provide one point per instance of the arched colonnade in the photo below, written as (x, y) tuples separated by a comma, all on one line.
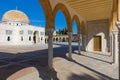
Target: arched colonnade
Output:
[(50, 9)]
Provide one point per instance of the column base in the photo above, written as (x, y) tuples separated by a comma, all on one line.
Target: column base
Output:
[(115, 64), (52, 74), (118, 25)]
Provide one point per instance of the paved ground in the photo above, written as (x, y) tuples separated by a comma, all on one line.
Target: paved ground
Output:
[(87, 66)]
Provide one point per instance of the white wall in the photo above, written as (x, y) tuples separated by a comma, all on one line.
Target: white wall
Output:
[(97, 28), (16, 36)]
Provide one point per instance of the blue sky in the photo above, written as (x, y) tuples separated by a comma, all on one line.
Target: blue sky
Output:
[(34, 11)]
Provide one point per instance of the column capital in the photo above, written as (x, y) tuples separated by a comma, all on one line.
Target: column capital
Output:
[(115, 32), (49, 31), (70, 34), (118, 24)]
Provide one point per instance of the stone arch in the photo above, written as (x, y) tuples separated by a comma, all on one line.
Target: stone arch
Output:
[(47, 12), (75, 17), (83, 28), (56, 39), (65, 11), (60, 39), (63, 39)]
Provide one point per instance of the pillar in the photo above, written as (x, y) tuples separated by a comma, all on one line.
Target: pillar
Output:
[(115, 46), (50, 47), (84, 42), (79, 40), (111, 44), (118, 24), (114, 33), (70, 44)]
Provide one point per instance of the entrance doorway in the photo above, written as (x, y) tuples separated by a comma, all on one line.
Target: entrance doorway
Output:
[(35, 37), (97, 43)]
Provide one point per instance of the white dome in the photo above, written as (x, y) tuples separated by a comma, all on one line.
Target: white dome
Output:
[(15, 15)]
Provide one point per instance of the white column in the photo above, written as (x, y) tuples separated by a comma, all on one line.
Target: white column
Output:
[(84, 42), (79, 40), (115, 46), (70, 44), (118, 24), (50, 47), (111, 43)]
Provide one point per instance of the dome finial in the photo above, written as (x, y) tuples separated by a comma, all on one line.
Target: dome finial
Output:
[(16, 8)]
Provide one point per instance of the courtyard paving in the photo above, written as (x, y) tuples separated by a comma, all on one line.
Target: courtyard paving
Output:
[(30, 62)]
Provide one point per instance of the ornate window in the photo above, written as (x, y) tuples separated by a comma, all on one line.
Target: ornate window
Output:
[(29, 38), (30, 32), (21, 32), (8, 32)]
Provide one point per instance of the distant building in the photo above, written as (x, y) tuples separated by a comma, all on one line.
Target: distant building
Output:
[(15, 29), (62, 38)]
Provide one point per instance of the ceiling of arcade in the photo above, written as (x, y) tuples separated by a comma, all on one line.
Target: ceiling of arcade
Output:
[(92, 9)]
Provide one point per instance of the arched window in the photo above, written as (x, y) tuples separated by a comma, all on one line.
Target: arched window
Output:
[(21, 38), (29, 38), (8, 38)]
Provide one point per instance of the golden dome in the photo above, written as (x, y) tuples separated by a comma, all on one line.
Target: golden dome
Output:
[(15, 15)]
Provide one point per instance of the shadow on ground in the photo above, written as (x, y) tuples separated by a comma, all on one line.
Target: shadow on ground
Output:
[(83, 77), (92, 57), (11, 63)]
